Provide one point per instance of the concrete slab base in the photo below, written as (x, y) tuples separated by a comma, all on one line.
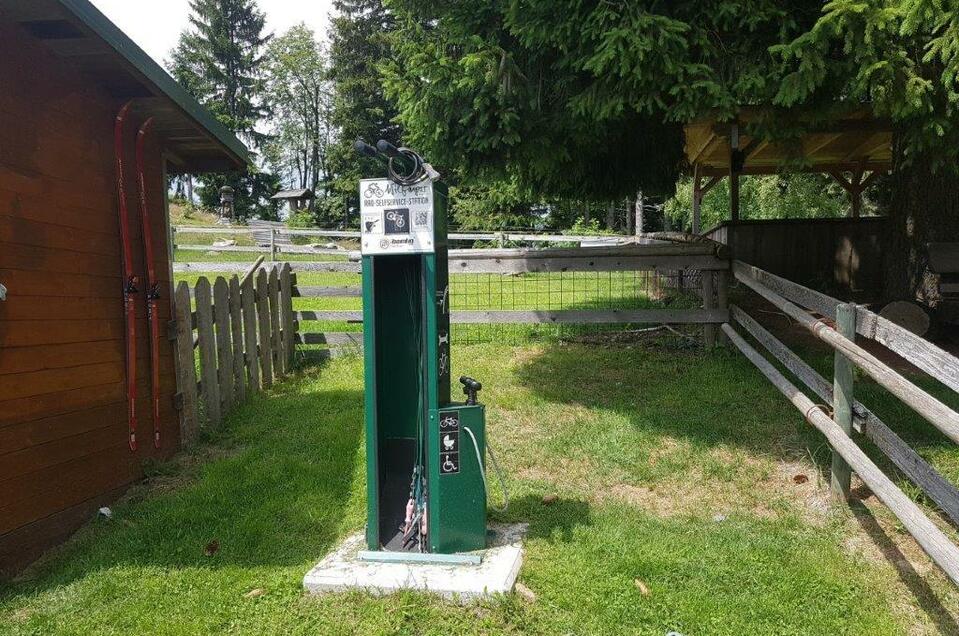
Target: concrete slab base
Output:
[(341, 570)]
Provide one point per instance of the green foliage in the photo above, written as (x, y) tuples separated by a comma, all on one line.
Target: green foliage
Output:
[(497, 205), (298, 91), (359, 44), (793, 196), (900, 56), (302, 219), (219, 60), (582, 227), (251, 190), (578, 99)]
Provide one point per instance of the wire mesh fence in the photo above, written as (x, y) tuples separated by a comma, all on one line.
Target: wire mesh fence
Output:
[(558, 291), (521, 296)]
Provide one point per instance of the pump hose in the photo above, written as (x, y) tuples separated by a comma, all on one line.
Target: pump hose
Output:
[(416, 173), (499, 472)]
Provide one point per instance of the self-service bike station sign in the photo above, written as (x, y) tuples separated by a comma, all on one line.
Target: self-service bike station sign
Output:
[(396, 219)]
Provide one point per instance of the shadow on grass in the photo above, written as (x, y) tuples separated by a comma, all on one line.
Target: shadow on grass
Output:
[(275, 488), (913, 428), (710, 400), (556, 521), (925, 596)]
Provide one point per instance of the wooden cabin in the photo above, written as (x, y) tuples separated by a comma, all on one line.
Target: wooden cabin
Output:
[(299, 199), (66, 71)]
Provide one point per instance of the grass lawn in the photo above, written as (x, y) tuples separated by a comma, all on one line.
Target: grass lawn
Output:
[(677, 508)]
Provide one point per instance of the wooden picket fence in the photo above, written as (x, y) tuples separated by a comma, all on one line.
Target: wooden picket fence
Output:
[(238, 339)]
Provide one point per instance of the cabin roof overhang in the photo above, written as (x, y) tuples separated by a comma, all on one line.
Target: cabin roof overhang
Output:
[(80, 34)]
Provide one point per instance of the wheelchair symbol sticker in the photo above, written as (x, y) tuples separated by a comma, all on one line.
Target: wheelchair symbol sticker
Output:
[(449, 463)]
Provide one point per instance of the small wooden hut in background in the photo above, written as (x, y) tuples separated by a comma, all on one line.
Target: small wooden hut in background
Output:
[(296, 199)]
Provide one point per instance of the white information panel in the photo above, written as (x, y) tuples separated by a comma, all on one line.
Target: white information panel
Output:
[(396, 219)]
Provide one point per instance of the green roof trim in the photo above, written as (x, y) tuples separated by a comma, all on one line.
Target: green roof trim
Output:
[(154, 73)]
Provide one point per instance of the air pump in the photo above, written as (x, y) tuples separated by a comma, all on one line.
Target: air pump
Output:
[(426, 489)]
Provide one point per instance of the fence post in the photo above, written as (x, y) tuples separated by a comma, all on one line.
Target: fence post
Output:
[(722, 295), (709, 330), (209, 386), (224, 348), (263, 319), (843, 379), (272, 243), (276, 346), (236, 333), (248, 303), (185, 365), (286, 303)]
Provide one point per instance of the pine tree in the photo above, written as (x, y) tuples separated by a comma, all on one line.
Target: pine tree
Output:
[(589, 98), (359, 46), (902, 58), (218, 59)]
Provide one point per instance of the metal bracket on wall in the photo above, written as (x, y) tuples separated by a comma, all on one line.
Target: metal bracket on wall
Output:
[(3, 292)]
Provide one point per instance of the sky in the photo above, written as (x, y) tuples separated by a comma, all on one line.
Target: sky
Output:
[(156, 24)]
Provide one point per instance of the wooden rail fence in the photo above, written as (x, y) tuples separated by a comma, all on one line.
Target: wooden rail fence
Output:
[(238, 339), (276, 240), (703, 259), (838, 326)]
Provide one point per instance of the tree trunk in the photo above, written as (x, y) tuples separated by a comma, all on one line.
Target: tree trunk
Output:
[(640, 225), (924, 208)]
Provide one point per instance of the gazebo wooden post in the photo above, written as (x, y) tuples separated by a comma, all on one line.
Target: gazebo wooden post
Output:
[(855, 188), (855, 194), (734, 170), (697, 200)]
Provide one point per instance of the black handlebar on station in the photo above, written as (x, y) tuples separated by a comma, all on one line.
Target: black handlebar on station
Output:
[(364, 148), (388, 149), (470, 388)]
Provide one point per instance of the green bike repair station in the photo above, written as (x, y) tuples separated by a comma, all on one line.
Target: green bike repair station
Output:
[(426, 478)]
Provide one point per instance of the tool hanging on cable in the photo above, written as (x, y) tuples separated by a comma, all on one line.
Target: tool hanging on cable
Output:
[(129, 283), (153, 286)]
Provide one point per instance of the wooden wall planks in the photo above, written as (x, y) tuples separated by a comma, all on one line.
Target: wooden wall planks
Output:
[(62, 418)]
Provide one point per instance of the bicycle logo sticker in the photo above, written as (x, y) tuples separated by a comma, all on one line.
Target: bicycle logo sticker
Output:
[(398, 221), (373, 191), (444, 355), (449, 443)]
